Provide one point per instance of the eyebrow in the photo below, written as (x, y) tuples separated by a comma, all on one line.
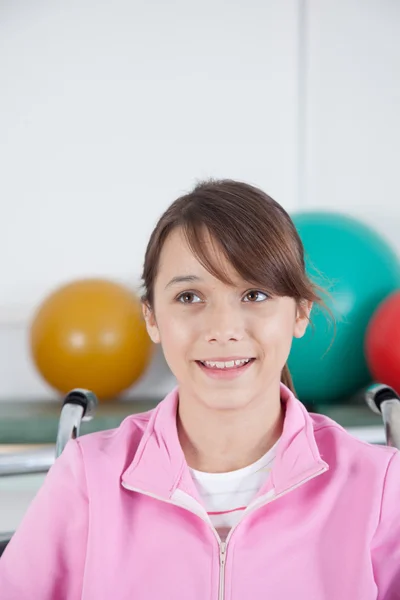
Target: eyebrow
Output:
[(182, 279)]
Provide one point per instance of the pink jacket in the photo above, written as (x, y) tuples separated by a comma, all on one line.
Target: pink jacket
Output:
[(119, 518)]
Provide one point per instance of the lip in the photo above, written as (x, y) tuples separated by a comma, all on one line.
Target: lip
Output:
[(232, 373)]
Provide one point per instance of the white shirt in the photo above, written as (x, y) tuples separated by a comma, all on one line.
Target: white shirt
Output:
[(227, 495)]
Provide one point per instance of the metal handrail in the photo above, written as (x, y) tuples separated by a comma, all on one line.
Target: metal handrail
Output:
[(384, 400), (25, 462), (79, 405)]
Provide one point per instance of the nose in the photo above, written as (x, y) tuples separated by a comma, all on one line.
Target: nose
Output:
[(224, 324)]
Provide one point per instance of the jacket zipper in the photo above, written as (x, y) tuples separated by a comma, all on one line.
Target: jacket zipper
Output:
[(222, 561), (223, 545)]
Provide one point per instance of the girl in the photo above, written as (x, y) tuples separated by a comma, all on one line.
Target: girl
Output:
[(229, 489)]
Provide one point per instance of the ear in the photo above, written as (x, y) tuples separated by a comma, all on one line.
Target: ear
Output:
[(151, 324), (303, 312)]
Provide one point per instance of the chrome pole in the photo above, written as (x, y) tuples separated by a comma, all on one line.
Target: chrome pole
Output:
[(79, 405), (383, 400)]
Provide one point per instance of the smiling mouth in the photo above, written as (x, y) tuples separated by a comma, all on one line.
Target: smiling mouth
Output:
[(225, 365)]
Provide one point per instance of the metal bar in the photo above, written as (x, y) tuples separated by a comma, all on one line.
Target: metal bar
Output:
[(25, 462)]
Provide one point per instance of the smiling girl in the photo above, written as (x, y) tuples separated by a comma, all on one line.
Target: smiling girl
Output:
[(229, 488)]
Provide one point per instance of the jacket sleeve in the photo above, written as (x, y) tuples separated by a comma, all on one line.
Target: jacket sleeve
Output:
[(386, 542), (46, 555)]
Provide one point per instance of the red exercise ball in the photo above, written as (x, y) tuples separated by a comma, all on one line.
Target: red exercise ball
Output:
[(382, 342)]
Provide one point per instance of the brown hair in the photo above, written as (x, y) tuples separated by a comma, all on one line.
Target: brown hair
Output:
[(255, 233)]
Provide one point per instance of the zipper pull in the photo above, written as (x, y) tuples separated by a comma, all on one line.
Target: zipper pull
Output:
[(222, 553), (222, 556)]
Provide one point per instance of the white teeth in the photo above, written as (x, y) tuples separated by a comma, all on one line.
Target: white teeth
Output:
[(225, 365)]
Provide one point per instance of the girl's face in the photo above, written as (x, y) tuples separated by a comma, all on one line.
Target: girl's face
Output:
[(226, 345)]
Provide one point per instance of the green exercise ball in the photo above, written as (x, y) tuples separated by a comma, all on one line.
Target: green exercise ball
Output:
[(358, 269)]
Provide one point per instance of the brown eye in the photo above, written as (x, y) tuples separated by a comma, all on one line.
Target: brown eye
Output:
[(255, 296), (188, 298)]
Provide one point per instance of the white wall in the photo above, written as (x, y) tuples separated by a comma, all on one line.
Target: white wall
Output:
[(108, 111), (352, 118)]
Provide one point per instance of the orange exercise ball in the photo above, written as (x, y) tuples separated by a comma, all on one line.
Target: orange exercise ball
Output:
[(91, 334)]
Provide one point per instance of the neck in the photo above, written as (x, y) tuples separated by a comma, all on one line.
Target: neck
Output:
[(219, 441)]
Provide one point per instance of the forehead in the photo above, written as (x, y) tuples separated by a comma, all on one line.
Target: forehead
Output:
[(177, 259)]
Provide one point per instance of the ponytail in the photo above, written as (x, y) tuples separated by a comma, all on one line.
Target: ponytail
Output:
[(286, 379)]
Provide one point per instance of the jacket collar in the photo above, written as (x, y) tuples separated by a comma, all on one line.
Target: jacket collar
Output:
[(159, 466)]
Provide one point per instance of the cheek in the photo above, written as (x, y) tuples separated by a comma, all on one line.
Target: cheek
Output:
[(176, 336), (275, 332)]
